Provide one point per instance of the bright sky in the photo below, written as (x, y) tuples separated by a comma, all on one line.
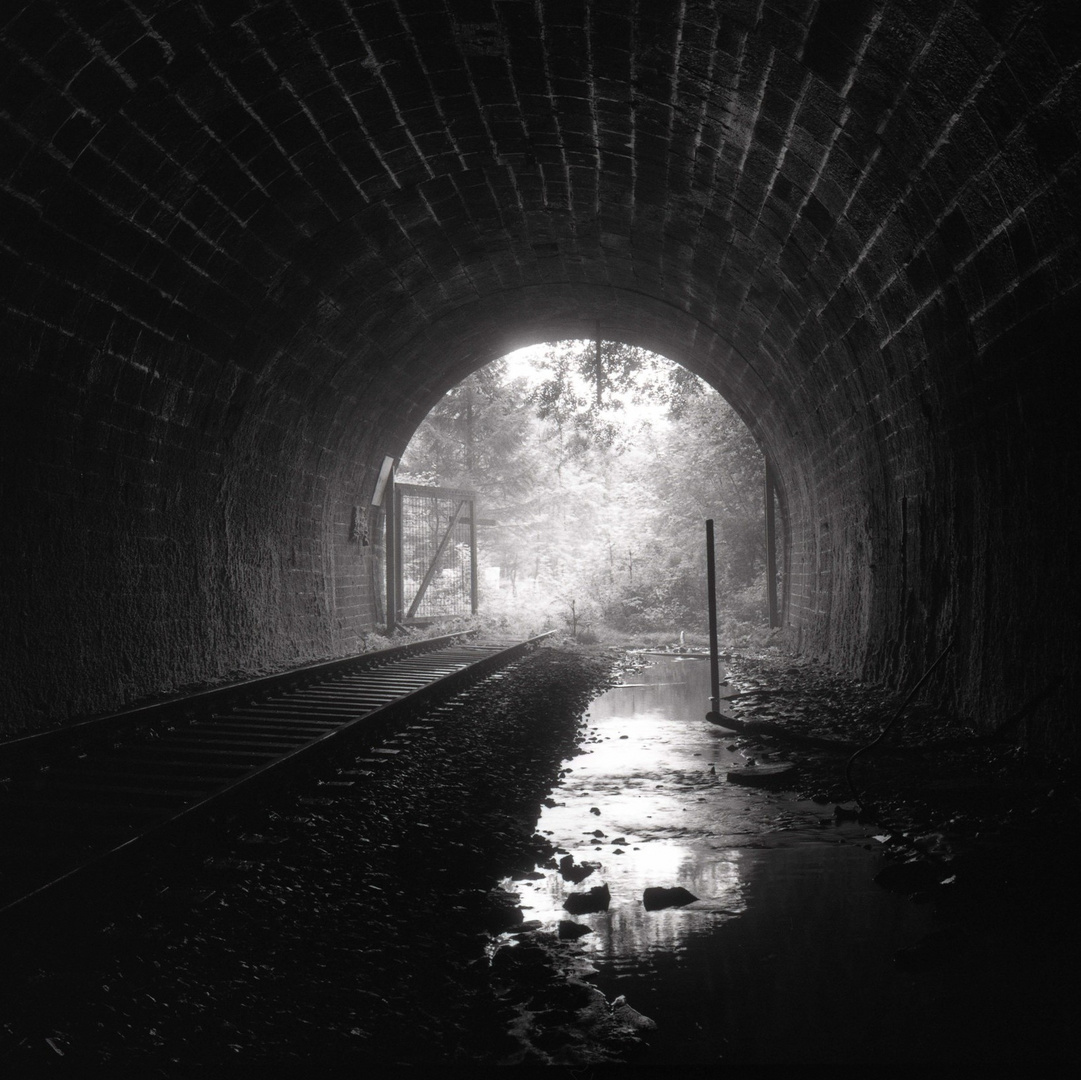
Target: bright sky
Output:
[(522, 364)]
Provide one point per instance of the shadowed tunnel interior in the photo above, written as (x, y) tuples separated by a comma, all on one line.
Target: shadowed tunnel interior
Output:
[(245, 246)]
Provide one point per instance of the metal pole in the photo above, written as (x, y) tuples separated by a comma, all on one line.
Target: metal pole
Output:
[(771, 553), (714, 666), (399, 556), (473, 590), (391, 506)]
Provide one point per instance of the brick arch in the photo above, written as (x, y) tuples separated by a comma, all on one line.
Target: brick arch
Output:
[(244, 247), (477, 333), (542, 314)]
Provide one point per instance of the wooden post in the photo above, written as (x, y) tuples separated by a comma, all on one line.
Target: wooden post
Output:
[(714, 665), (771, 553), (390, 503)]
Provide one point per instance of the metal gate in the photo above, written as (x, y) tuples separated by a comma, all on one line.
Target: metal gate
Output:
[(431, 554)]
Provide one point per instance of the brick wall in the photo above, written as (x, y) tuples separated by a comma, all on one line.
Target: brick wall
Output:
[(245, 247)]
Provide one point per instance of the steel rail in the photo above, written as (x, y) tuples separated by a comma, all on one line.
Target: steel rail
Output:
[(93, 811), (44, 744)]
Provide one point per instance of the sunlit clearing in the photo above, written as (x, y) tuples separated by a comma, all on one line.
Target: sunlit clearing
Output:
[(594, 471)]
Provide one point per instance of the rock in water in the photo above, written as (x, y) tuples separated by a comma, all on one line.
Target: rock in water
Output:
[(570, 872), (571, 931), (629, 1017), (655, 898), (762, 775), (597, 899)]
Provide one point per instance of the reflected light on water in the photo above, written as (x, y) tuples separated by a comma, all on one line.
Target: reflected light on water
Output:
[(788, 955), (627, 930), (646, 804), (784, 907)]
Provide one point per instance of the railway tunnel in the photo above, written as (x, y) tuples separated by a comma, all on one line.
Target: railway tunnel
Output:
[(247, 245)]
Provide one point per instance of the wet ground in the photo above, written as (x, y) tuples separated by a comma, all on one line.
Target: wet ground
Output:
[(415, 916), (340, 926), (792, 952)]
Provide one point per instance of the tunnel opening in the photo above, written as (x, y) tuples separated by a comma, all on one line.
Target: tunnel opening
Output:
[(246, 247), (246, 250), (596, 464)]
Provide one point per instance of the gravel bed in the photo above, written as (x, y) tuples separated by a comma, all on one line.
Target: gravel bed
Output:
[(351, 922), (981, 828), (356, 919), (930, 771)]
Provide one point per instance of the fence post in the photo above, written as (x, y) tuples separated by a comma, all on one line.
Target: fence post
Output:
[(473, 591), (771, 552), (714, 664), (390, 501)]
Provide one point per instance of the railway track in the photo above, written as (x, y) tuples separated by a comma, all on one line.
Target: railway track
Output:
[(78, 802)]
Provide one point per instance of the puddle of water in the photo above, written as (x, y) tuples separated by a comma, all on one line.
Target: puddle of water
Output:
[(789, 956)]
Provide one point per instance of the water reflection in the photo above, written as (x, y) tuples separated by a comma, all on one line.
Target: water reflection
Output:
[(627, 931), (648, 803), (787, 910)]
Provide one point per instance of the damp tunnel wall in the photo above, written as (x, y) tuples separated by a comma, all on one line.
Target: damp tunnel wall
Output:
[(244, 248)]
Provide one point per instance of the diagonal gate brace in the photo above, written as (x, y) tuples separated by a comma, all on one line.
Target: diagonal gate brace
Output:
[(435, 561)]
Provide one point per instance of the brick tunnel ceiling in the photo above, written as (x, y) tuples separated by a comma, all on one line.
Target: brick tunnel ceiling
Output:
[(324, 189), (857, 219)]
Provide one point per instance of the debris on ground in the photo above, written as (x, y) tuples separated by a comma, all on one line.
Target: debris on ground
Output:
[(972, 822), (356, 922), (343, 924)]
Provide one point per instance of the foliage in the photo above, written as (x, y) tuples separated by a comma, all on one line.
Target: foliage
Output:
[(599, 481)]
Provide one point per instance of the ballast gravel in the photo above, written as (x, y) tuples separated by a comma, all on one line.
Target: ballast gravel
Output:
[(349, 921)]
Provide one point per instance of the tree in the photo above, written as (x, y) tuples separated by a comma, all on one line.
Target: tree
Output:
[(714, 469), (599, 478), (587, 387), (472, 437)]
